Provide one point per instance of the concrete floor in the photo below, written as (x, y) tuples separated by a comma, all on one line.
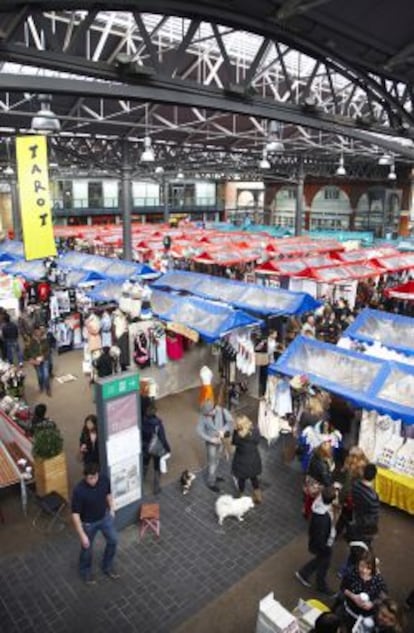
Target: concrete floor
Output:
[(234, 608)]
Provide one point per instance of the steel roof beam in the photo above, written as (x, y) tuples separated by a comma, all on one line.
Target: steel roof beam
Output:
[(176, 92)]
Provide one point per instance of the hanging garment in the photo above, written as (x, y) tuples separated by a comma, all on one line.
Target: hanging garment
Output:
[(123, 343), (141, 350), (93, 327), (174, 346), (283, 398), (106, 329), (268, 422)]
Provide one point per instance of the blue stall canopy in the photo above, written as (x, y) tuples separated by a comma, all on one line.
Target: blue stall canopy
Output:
[(7, 258), (211, 320), (32, 270), (368, 382), (109, 291), (76, 278), (110, 267), (12, 247), (246, 296), (390, 330)]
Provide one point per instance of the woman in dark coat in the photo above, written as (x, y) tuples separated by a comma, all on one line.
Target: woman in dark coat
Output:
[(88, 441), (318, 476), (151, 423), (247, 463)]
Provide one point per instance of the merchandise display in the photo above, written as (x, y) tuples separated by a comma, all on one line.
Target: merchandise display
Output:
[(384, 442)]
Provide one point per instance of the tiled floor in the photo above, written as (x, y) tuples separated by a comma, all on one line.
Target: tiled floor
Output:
[(162, 582)]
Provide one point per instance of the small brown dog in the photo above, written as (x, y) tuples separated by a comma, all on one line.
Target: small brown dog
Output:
[(186, 481)]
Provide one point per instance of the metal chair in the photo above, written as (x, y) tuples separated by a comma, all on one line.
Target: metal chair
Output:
[(51, 507)]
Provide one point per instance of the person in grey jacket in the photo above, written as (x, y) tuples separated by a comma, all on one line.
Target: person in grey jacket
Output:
[(214, 424)]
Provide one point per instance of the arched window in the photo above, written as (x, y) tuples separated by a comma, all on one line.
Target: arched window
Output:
[(331, 210), (284, 207)]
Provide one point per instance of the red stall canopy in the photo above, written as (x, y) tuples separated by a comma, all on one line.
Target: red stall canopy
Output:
[(403, 292)]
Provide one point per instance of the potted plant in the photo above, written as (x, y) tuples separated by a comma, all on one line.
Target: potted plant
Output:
[(50, 467)]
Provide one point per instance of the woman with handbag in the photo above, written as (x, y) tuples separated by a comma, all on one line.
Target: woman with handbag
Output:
[(154, 443)]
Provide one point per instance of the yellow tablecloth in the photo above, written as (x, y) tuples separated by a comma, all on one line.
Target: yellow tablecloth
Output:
[(395, 489)]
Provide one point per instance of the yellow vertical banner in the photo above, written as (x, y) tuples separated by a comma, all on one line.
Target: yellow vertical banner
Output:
[(33, 180)]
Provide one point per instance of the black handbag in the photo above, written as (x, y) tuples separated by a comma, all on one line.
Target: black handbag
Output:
[(156, 447)]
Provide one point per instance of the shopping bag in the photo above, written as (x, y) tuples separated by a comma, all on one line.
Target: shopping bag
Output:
[(156, 447)]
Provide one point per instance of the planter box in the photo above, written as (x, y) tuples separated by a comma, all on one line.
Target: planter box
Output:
[(51, 475)]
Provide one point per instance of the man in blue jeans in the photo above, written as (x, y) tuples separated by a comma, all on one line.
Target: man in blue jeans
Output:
[(93, 511), (10, 334)]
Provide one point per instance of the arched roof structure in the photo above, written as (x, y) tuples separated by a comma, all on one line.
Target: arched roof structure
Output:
[(213, 83)]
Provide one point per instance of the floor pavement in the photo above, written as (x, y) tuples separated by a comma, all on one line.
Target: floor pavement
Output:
[(163, 582)]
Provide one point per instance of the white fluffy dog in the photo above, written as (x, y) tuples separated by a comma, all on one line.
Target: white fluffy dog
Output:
[(228, 506)]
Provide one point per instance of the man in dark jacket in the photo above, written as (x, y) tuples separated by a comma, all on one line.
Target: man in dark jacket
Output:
[(366, 505), (10, 334), (321, 538)]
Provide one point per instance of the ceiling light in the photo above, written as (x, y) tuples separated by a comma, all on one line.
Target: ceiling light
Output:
[(392, 175), (264, 163), (341, 171), (310, 103), (9, 171), (159, 170), (274, 146), (147, 155), (45, 121), (385, 159), (180, 174)]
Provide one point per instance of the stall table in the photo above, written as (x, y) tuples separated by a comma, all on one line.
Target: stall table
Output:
[(395, 489)]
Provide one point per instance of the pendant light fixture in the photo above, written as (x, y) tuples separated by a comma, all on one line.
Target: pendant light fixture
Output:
[(147, 155), (45, 121), (392, 175), (340, 170), (264, 162)]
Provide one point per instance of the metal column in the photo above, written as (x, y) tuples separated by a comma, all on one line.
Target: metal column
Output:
[(165, 195), (126, 201), (299, 199), (15, 209)]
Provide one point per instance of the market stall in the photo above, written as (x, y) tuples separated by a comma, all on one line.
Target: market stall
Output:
[(383, 389), (365, 254), (16, 462), (401, 292), (335, 281), (249, 297), (278, 273), (183, 328), (375, 327)]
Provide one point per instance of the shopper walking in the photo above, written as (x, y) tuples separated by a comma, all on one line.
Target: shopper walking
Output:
[(151, 424), (38, 353), (366, 506), (247, 463), (214, 424), (10, 333), (321, 538), (88, 441), (92, 512), (319, 474)]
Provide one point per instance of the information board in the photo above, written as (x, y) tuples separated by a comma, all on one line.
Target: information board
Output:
[(119, 426)]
